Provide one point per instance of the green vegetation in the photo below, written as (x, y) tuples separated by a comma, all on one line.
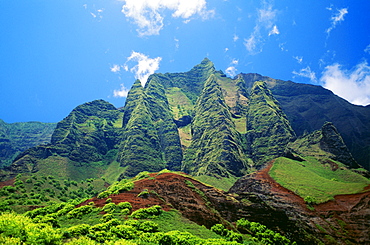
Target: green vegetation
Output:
[(214, 150), (316, 180), (18, 137), (44, 190), (261, 233), (218, 182), (268, 129), (64, 224)]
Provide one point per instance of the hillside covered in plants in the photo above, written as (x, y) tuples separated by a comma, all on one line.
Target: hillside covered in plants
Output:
[(243, 160)]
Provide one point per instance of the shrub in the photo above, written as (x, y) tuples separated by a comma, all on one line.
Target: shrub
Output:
[(220, 230), (109, 207), (103, 194), (144, 213), (144, 194), (310, 200), (148, 226), (79, 212), (124, 205), (18, 227), (124, 231)]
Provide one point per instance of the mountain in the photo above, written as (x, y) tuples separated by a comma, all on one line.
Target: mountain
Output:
[(18, 137), (203, 123), (250, 158), (308, 107)]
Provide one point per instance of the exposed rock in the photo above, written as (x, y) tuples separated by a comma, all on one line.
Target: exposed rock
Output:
[(324, 143), (341, 221)]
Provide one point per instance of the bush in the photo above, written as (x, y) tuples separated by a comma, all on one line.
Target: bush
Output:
[(109, 207), (144, 213), (124, 205), (18, 227), (103, 194), (148, 226), (79, 212), (220, 230), (124, 231), (264, 235), (78, 230), (310, 200)]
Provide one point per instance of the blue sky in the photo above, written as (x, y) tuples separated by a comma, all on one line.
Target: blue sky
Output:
[(56, 55)]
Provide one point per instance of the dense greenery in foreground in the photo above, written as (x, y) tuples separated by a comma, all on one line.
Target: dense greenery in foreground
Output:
[(63, 223), (316, 181), (56, 222)]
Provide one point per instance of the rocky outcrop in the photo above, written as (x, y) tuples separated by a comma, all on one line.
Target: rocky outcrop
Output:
[(340, 221), (324, 143), (332, 142)]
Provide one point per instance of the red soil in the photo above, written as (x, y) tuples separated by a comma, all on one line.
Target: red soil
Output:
[(7, 182), (152, 185)]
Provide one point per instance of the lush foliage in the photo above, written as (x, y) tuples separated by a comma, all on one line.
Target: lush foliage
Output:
[(84, 225), (261, 233), (316, 180), (43, 190)]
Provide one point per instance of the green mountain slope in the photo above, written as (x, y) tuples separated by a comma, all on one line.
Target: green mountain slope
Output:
[(308, 107), (217, 147), (18, 137), (268, 129), (199, 121)]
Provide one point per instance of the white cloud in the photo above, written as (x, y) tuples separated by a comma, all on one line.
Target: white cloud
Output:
[(115, 68), (336, 18), (299, 59), (122, 92), (253, 43), (235, 38), (177, 44), (306, 72), (144, 67), (231, 71), (367, 49), (235, 62), (274, 31), (148, 15), (267, 15), (265, 23), (352, 85)]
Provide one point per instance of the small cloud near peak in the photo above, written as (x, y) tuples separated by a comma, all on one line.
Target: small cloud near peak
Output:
[(144, 66)]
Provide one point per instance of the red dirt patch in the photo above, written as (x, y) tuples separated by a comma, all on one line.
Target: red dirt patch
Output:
[(343, 202), (170, 191), (7, 183)]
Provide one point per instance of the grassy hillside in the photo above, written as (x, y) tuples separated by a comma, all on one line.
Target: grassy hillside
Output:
[(319, 180)]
